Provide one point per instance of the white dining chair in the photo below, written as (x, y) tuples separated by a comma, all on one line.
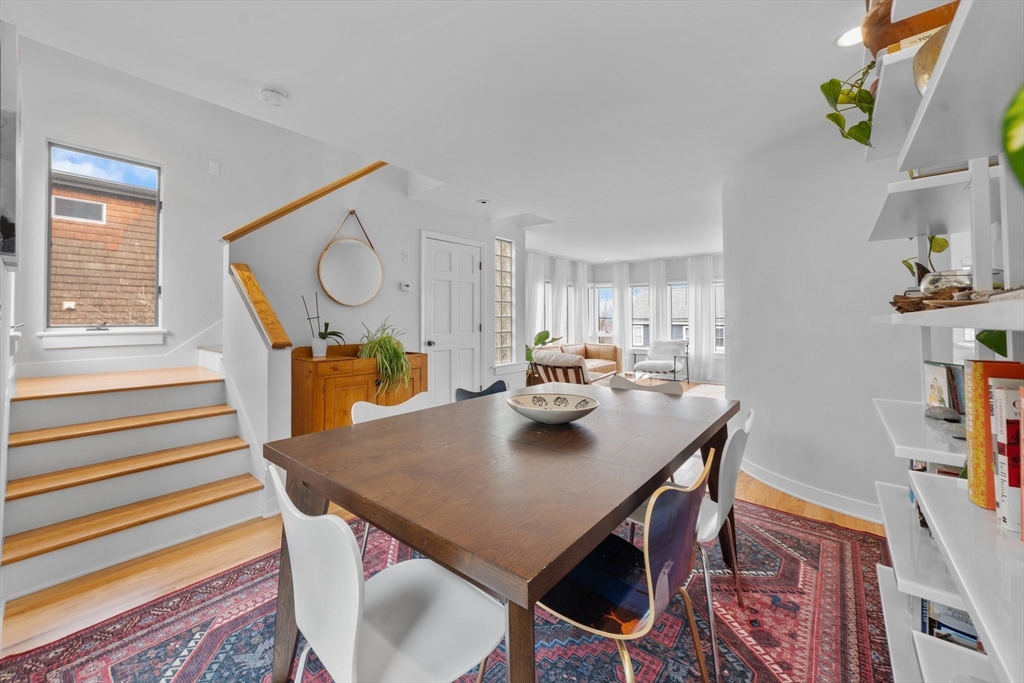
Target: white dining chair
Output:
[(363, 411), (413, 621), (715, 514)]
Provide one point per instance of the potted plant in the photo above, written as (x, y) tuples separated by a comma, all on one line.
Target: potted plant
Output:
[(542, 339), (320, 336), (851, 95), (392, 363)]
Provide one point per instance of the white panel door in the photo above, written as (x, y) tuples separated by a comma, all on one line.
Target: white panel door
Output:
[(451, 317)]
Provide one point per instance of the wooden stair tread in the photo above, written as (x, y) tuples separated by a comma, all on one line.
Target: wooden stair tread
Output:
[(30, 388), (76, 476), (63, 534), (48, 434)]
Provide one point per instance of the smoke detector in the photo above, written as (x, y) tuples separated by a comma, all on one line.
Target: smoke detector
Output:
[(483, 201), (273, 97)]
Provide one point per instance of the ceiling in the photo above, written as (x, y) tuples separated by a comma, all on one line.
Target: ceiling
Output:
[(616, 121)]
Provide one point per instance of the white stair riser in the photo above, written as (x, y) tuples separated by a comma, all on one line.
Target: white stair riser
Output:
[(43, 571), (26, 461), (210, 359), (55, 412), (77, 501)]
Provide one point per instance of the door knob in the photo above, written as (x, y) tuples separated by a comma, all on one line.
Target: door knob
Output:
[(430, 342)]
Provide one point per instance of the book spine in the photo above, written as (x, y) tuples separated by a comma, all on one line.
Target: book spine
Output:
[(1008, 454), (980, 482)]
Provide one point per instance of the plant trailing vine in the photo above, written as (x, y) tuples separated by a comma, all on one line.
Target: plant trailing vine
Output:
[(936, 245), (852, 93), (392, 363)]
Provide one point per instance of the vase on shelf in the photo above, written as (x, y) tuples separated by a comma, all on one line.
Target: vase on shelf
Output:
[(933, 282), (879, 32), (319, 347)]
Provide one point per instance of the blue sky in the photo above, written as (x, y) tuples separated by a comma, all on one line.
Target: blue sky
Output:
[(102, 167)]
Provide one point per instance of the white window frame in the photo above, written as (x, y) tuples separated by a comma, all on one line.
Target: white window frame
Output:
[(597, 310), (715, 351), (73, 219)]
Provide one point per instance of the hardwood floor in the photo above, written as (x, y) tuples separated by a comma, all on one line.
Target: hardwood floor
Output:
[(56, 612)]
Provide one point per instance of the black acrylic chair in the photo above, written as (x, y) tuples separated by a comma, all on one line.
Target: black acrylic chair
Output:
[(466, 394)]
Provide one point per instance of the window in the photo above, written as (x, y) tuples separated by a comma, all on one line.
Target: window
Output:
[(680, 312), (79, 210), (503, 302), (641, 306), (104, 222), (605, 310), (719, 317), (546, 318)]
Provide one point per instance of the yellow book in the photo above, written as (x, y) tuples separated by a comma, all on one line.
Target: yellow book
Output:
[(981, 485)]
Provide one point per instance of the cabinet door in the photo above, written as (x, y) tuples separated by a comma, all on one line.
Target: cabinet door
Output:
[(340, 393), (403, 393)]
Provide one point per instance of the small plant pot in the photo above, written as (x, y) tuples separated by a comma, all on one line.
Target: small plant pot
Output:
[(319, 347)]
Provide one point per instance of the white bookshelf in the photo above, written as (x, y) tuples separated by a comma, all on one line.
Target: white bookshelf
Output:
[(919, 568), (935, 205), (980, 67), (896, 101), (1000, 315), (986, 564), (899, 625), (942, 662), (915, 437), (969, 563)]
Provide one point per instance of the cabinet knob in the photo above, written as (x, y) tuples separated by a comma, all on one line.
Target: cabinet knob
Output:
[(430, 342)]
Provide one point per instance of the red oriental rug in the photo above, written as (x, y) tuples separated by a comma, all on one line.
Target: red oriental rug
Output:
[(812, 614)]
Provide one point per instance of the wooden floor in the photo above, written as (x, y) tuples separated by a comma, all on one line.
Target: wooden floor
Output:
[(50, 614)]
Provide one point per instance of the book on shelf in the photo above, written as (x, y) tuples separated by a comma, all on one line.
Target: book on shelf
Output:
[(947, 623), (981, 487), (1020, 396), (1015, 294), (1006, 404), (936, 385)]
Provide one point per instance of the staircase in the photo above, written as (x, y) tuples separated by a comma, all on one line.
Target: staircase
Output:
[(107, 467)]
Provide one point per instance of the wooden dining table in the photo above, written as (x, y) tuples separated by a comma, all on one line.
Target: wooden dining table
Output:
[(507, 503)]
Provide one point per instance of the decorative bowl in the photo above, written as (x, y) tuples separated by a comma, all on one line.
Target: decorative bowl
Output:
[(552, 409)]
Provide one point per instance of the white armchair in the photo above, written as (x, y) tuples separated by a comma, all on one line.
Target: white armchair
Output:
[(665, 358)]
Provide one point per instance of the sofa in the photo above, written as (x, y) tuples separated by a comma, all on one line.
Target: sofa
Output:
[(601, 359)]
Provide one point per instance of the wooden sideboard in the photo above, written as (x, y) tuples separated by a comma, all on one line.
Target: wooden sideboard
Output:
[(324, 389)]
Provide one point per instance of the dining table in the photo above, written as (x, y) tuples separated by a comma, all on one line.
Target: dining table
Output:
[(507, 503)]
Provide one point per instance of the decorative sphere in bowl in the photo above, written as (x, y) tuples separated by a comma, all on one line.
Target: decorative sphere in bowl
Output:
[(554, 408)]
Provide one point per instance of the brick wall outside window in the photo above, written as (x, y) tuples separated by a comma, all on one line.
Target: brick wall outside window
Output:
[(108, 270)]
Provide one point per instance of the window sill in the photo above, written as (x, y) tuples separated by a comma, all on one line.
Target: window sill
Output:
[(80, 338), (510, 368)]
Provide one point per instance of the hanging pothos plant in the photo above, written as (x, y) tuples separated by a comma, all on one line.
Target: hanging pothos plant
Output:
[(851, 95), (936, 245)]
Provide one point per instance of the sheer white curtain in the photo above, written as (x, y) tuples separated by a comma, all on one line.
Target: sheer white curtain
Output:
[(535, 266), (559, 298), (660, 314), (700, 292), (582, 326), (621, 323)]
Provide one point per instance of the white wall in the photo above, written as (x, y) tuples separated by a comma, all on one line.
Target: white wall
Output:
[(675, 270), (80, 103), (802, 283)]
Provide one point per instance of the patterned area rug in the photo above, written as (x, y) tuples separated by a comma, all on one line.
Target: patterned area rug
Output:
[(812, 613)]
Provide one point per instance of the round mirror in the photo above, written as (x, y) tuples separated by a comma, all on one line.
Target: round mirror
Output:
[(350, 271)]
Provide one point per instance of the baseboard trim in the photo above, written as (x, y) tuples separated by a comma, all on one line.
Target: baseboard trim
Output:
[(870, 512)]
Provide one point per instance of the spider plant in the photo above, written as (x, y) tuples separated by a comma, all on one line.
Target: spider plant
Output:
[(392, 363)]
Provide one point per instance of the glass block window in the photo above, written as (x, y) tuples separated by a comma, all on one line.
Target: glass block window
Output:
[(719, 317), (503, 305)]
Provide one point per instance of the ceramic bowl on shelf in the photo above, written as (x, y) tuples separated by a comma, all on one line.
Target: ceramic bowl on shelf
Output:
[(552, 408)]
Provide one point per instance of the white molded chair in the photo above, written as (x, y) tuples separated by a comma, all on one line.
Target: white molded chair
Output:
[(368, 412), (414, 621), (666, 358), (554, 366), (715, 514)]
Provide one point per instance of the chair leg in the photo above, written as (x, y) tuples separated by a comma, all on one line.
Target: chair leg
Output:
[(696, 636), (302, 663), (711, 611), (632, 530), (366, 534), (735, 561), (627, 663), (480, 673)]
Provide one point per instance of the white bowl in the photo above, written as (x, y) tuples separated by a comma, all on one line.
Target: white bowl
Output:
[(552, 409)]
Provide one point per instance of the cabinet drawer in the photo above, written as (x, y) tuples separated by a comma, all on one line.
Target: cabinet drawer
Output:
[(338, 367)]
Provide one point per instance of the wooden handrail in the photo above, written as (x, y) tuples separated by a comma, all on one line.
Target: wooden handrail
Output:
[(272, 327), (302, 201)]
